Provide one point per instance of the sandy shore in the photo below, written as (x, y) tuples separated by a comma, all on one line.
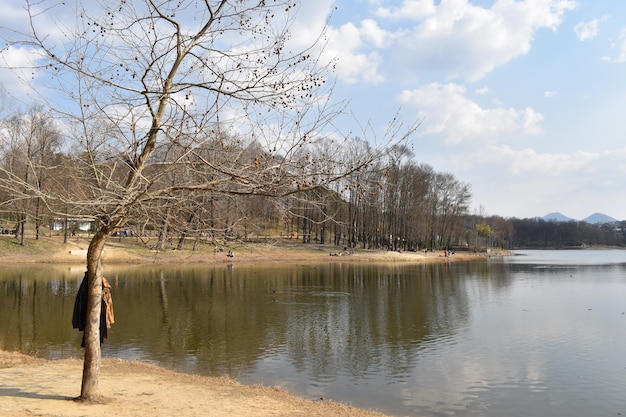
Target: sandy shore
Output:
[(37, 387)]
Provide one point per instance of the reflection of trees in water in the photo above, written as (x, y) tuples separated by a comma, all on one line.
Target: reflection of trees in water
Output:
[(327, 319), (456, 286), (36, 310), (382, 324)]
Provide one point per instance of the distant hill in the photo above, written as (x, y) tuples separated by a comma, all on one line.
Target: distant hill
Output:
[(557, 217), (599, 218), (593, 219)]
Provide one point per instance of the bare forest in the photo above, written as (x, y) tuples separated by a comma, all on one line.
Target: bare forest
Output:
[(394, 203)]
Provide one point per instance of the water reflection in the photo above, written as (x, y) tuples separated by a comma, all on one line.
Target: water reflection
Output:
[(480, 338), (296, 326)]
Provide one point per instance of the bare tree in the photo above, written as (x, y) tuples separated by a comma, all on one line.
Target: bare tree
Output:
[(15, 167), (146, 87), (43, 142), (30, 143)]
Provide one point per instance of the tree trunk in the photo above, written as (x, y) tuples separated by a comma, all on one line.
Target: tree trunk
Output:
[(37, 218), (160, 245), (65, 224), (23, 229), (183, 234), (91, 366)]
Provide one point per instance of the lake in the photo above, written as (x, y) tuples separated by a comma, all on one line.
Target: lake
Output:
[(542, 333)]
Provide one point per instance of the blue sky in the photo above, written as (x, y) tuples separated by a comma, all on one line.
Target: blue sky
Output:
[(523, 100)]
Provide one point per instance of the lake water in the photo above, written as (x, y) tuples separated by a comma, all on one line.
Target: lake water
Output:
[(539, 334)]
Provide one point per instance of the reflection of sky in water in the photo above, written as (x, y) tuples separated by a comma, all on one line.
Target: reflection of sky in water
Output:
[(569, 257), (549, 342)]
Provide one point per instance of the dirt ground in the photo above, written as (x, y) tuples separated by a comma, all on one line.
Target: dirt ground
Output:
[(128, 251), (37, 387)]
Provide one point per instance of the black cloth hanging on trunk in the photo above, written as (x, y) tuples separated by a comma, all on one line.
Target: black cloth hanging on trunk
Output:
[(79, 318)]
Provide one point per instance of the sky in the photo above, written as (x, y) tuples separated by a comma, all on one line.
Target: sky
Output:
[(523, 100)]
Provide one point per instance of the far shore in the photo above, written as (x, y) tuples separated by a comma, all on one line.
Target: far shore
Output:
[(129, 250), (33, 386)]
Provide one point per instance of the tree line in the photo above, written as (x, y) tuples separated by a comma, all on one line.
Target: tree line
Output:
[(538, 233), (393, 203)]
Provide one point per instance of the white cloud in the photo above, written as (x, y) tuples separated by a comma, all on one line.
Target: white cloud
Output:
[(12, 12), (461, 40), (587, 30), (410, 9), (453, 38), (620, 45), (529, 161), (17, 69), (347, 42), (374, 34), (550, 94), (446, 111), (351, 48), (310, 20)]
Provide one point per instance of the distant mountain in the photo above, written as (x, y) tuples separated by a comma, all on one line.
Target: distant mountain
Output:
[(599, 218), (595, 218), (557, 217)]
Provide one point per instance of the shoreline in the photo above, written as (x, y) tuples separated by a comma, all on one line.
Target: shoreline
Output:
[(130, 251), (34, 386)]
